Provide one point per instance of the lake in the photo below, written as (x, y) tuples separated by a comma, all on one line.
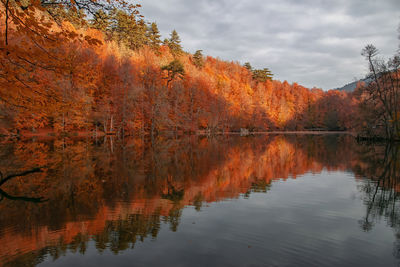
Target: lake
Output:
[(265, 200)]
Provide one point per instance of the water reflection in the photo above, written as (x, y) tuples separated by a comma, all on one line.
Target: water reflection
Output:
[(115, 194), (22, 198), (381, 165)]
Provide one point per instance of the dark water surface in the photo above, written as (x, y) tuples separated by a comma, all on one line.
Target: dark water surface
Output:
[(269, 200)]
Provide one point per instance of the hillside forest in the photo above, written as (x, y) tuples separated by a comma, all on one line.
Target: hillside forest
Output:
[(94, 67)]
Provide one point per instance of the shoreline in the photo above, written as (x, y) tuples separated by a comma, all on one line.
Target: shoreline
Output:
[(53, 135)]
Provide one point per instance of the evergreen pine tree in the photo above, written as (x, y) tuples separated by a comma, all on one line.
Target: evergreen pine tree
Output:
[(248, 66), (262, 75), (153, 36), (198, 60), (174, 44)]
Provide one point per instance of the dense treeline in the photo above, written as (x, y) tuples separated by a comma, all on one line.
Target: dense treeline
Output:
[(110, 72), (99, 67)]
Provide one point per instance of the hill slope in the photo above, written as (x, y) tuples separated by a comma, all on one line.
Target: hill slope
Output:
[(350, 87)]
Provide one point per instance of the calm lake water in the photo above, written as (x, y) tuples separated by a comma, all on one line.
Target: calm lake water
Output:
[(268, 200)]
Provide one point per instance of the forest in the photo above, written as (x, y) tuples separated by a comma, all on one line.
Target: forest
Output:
[(89, 67)]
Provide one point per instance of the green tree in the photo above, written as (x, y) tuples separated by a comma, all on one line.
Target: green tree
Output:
[(166, 42), (198, 59), (248, 66), (153, 35), (262, 75), (127, 30), (174, 70), (174, 44)]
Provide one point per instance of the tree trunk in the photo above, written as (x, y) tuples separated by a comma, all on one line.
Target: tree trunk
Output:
[(6, 30)]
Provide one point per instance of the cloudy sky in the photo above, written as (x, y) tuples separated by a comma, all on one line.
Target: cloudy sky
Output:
[(311, 42)]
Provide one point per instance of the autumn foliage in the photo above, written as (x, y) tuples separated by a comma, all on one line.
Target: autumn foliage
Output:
[(117, 194), (130, 190), (104, 76)]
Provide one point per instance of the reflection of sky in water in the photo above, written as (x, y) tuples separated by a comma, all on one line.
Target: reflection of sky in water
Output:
[(293, 200), (310, 221)]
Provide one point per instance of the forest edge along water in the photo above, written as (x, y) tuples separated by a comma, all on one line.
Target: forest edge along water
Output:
[(119, 146)]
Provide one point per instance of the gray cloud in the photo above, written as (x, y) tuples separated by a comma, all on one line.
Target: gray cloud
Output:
[(312, 42)]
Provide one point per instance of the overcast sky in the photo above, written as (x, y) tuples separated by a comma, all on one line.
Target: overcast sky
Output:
[(311, 42)]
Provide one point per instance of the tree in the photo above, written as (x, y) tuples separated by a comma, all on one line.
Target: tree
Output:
[(262, 75), (248, 66), (382, 95), (153, 36), (174, 70), (101, 21), (127, 30), (32, 17), (166, 42), (174, 44), (198, 60)]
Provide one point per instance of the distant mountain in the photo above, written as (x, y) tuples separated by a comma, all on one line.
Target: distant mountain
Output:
[(350, 87)]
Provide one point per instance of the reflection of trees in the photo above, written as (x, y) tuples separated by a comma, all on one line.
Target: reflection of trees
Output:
[(123, 234), (260, 186), (9, 177), (3, 180), (117, 197), (21, 198), (117, 236), (381, 165)]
